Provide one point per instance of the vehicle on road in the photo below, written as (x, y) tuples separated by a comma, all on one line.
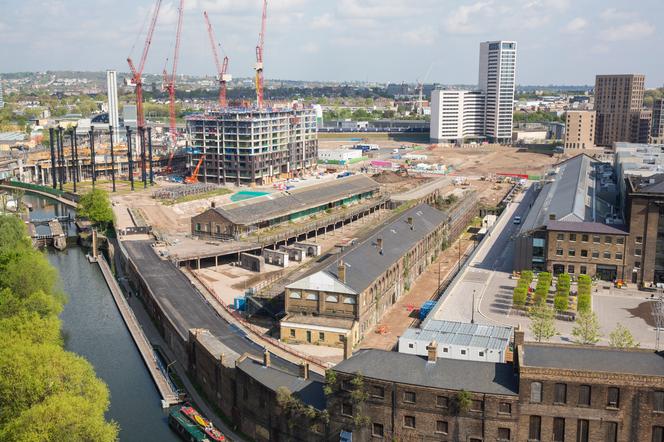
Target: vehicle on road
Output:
[(517, 220)]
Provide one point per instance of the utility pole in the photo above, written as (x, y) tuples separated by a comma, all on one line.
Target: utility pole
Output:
[(472, 312)]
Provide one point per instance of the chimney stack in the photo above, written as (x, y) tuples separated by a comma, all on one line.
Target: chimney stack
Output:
[(266, 358), (519, 337), (341, 272), (410, 221), (432, 351), (304, 370), (379, 245)]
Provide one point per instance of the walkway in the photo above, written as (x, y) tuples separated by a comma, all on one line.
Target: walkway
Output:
[(169, 396)]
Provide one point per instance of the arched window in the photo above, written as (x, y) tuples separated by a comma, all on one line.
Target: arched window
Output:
[(295, 295), (331, 298)]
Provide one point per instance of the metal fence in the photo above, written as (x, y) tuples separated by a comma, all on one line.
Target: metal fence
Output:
[(175, 192)]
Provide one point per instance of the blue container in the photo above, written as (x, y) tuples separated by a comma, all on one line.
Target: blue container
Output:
[(423, 313), (240, 304)]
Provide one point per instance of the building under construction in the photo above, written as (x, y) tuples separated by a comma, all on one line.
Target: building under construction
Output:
[(251, 146)]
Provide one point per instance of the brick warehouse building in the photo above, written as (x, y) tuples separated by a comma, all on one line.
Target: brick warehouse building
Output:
[(551, 393), (251, 146)]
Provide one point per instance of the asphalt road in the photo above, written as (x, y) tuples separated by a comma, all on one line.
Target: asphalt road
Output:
[(182, 302)]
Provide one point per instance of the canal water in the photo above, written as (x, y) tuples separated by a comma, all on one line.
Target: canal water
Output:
[(94, 329)]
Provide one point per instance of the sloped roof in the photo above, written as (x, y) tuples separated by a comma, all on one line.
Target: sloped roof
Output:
[(452, 374), (284, 203), (364, 262), (322, 281), (588, 227)]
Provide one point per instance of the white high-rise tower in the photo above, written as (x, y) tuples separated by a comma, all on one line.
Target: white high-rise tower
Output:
[(497, 80), (113, 116)]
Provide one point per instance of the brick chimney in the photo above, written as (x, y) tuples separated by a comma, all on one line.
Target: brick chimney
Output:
[(304, 370), (341, 272), (519, 337), (379, 245), (266, 358), (432, 351)]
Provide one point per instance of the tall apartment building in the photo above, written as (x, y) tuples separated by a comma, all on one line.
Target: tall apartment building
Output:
[(113, 112), (657, 128), (619, 107), (247, 146), (486, 113), (456, 115), (580, 130), (497, 79)]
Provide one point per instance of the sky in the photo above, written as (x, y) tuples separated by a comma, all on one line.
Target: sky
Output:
[(559, 41)]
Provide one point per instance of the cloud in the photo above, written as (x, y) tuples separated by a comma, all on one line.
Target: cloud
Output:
[(634, 30), (322, 21), (613, 14), (576, 25), (310, 48), (463, 21)]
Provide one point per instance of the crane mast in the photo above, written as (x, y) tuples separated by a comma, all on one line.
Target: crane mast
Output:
[(169, 80), (259, 59), (137, 72), (222, 68)]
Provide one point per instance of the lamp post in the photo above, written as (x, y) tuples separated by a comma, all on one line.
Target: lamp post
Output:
[(472, 311)]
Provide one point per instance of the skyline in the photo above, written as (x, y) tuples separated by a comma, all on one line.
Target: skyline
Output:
[(350, 40)]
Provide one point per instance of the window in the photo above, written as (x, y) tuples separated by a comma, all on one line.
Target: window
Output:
[(409, 421), (584, 253), (637, 252), (582, 430), (331, 298), (311, 296), (504, 434), (584, 395), (505, 408), (607, 255), (292, 332), (534, 429), (608, 240), (446, 350), (560, 236), (346, 409), (560, 394), (295, 295), (639, 240), (584, 238), (558, 429), (596, 239), (619, 256), (321, 336), (441, 427), (377, 430), (442, 401), (658, 401), (409, 396), (620, 240), (570, 269), (657, 434), (198, 227), (572, 236), (595, 254), (637, 264), (481, 354), (611, 431), (346, 385), (613, 397), (571, 252), (463, 352), (536, 392), (559, 252), (583, 270), (476, 405), (377, 391), (349, 300)]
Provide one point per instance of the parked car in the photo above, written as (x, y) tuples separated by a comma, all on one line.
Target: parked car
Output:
[(517, 220)]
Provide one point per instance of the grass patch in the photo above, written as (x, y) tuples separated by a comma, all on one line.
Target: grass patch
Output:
[(197, 196)]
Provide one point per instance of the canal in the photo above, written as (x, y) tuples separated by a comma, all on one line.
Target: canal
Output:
[(94, 329)]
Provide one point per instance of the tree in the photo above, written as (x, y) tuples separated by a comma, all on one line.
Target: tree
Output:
[(462, 402), (621, 337), (542, 322), (96, 206), (587, 330)]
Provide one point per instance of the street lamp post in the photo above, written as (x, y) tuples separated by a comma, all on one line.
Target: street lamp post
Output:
[(472, 311)]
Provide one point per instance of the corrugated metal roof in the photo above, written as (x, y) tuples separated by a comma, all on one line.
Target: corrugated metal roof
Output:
[(494, 337), (12, 136)]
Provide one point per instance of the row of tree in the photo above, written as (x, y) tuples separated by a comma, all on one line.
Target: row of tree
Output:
[(46, 393)]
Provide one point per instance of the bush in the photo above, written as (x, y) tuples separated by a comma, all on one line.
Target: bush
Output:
[(561, 303), (520, 296), (583, 303)]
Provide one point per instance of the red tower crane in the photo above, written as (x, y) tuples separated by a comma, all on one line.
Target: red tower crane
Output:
[(223, 77), (169, 81), (259, 59), (137, 74)]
